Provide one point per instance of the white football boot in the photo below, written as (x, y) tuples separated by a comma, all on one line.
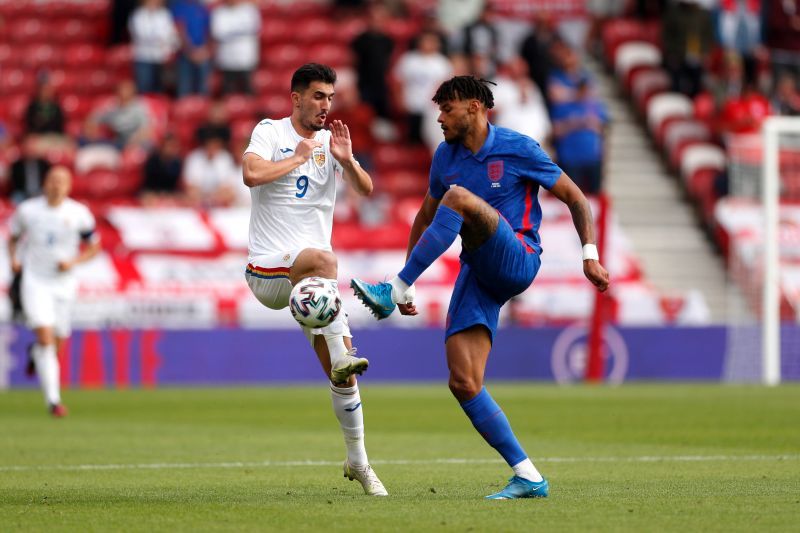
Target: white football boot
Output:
[(367, 477), (348, 365)]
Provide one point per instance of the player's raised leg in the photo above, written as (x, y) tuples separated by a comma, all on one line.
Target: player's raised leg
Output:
[(349, 410), (343, 361), (460, 212), (467, 353)]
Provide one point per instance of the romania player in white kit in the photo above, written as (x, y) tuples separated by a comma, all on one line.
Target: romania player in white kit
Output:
[(50, 234), (290, 166)]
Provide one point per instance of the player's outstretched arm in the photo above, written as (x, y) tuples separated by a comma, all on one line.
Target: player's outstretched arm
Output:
[(342, 150), (257, 171), (569, 193)]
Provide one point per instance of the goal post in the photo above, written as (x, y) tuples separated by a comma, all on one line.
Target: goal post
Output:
[(760, 218)]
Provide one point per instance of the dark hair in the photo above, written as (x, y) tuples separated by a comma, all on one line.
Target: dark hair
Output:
[(465, 88), (310, 72)]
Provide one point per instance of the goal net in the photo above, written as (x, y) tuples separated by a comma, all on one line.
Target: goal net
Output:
[(759, 226)]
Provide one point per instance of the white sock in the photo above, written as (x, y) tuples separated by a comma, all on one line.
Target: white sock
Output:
[(525, 469), (334, 334), (49, 372), (347, 406), (336, 347), (399, 289)]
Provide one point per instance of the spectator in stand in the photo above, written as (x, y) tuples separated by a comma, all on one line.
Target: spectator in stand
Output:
[(536, 50), (194, 58), (481, 44), (518, 102), (44, 114), (216, 124), (739, 30), (600, 12), (567, 76), (578, 137), (688, 35), (782, 36), (209, 175), (419, 72), (45, 117), (27, 173), (120, 12), (235, 26), (162, 171), (155, 39), (744, 113), (787, 99), (373, 52), (127, 118), (358, 116)]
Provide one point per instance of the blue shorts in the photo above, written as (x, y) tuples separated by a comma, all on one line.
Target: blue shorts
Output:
[(501, 268)]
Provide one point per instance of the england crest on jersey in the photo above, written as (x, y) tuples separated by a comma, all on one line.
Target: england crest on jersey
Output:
[(495, 171), (319, 157)]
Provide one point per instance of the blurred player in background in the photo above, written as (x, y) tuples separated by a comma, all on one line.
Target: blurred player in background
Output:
[(50, 231), (484, 182), (291, 166)]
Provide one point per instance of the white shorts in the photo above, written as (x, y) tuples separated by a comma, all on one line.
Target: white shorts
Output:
[(268, 278), (47, 304)]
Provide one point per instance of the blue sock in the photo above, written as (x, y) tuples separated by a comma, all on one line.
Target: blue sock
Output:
[(433, 242), (492, 424)]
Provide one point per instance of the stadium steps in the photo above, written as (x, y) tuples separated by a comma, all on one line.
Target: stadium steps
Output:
[(649, 203)]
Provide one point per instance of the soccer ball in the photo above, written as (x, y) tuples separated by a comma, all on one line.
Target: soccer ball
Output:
[(315, 302)]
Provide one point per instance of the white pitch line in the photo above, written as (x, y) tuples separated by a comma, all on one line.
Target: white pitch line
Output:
[(263, 464)]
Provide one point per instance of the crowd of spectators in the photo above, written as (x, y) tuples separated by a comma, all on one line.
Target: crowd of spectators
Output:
[(737, 58)]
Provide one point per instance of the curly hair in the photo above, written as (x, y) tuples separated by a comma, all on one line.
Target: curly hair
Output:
[(465, 88)]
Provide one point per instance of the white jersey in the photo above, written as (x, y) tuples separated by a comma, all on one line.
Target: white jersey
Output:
[(296, 210), (50, 235)]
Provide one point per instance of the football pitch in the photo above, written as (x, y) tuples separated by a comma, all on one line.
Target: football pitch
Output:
[(643, 457)]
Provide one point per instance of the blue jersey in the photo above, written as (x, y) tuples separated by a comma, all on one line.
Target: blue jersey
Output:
[(506, 172)]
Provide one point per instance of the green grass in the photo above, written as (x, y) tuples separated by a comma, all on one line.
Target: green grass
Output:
[(635, 458)]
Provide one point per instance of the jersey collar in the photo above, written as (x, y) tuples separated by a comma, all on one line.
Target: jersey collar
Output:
[(485, 150)]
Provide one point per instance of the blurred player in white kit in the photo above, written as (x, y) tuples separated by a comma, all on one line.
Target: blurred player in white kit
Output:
[(290, 166), (50, 234)]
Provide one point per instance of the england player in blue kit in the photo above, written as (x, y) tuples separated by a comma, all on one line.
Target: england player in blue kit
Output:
[(484, 182)]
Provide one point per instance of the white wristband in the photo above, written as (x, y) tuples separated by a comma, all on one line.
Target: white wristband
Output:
[(590, 252)]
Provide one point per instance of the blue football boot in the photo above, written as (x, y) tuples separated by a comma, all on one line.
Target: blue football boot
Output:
[(522, 488), (376, 296)]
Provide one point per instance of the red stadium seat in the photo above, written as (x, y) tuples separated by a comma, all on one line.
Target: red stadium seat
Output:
[(38, 56), (76, 107), (16, 81), (283, 56), (335, 55), (647, 82), (402, 183), (119, 58), (388, 157), (8, 57), (276, 31), (84, 56), (240, 107), (275, 106), (29, 30), (193, 109)]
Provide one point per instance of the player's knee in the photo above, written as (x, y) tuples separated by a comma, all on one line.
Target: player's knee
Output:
[(323, 264), (457, 198), (464, 388)]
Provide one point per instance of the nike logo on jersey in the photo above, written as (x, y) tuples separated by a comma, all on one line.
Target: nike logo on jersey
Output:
[(286, 150), (263, 122), (356, 406)]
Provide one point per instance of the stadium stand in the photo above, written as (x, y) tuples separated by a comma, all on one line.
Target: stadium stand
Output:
[(172, 239)]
